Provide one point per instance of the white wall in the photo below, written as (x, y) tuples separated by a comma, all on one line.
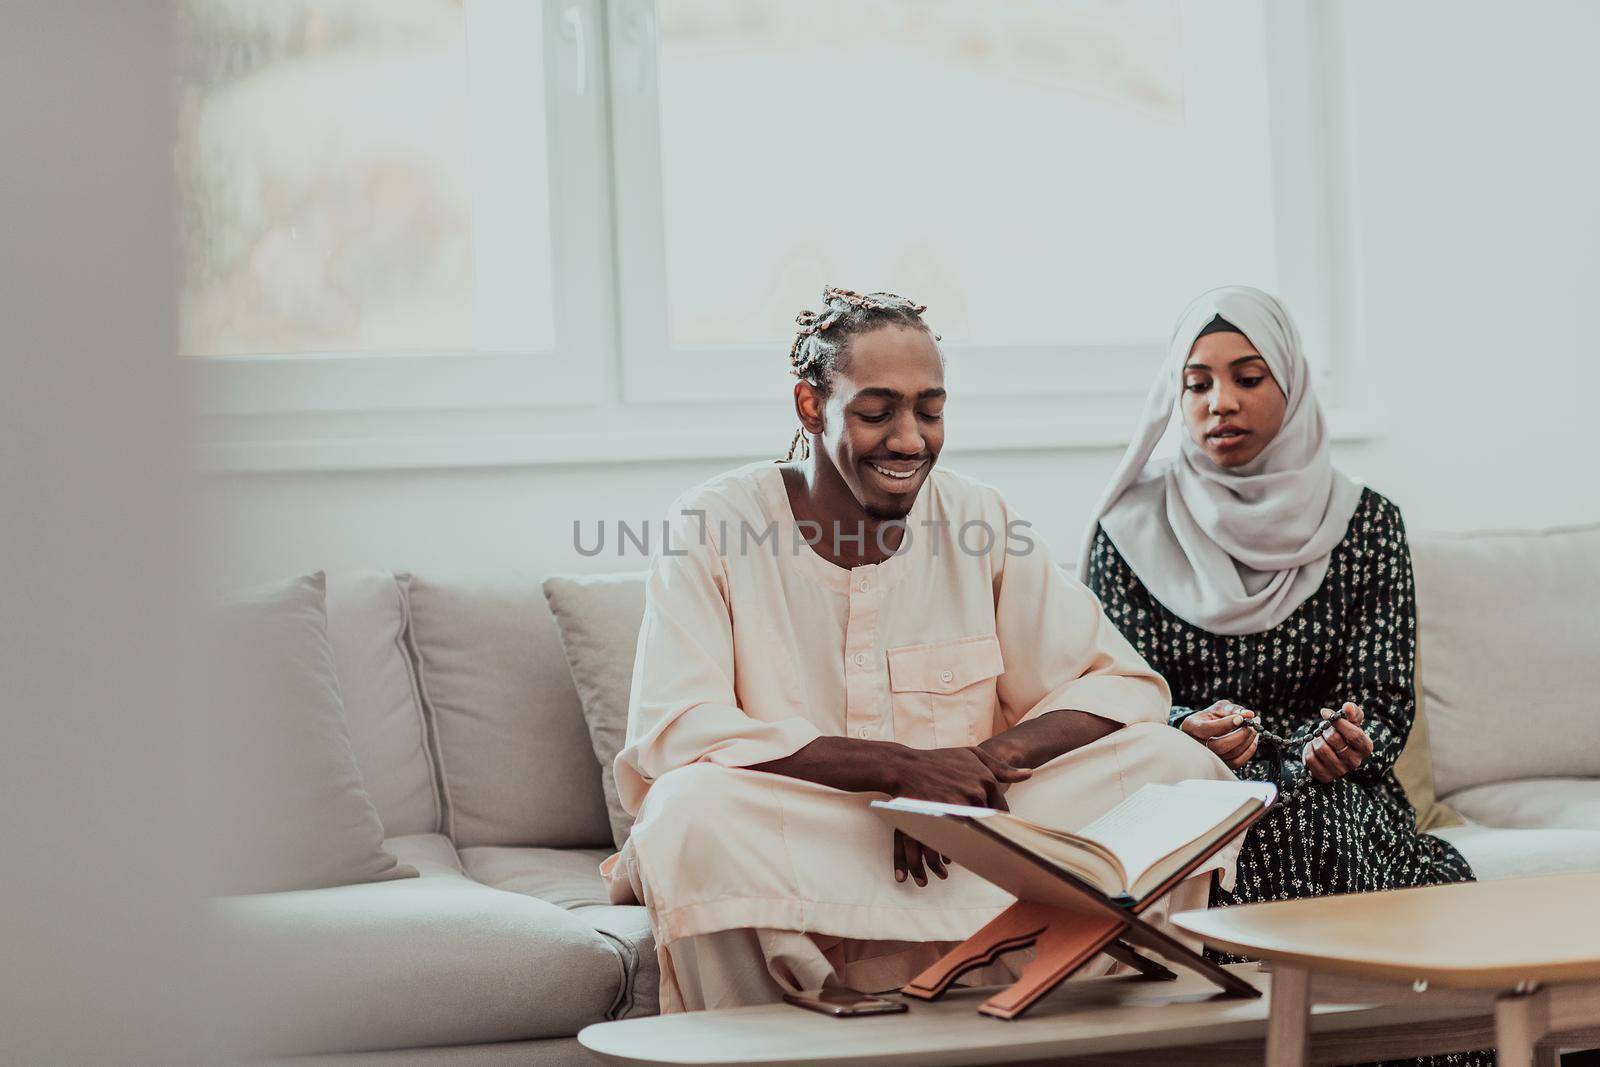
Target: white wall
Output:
[(1472, 178), (1478, 195)]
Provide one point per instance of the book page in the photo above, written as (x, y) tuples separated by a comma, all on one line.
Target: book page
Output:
[(1087, 860), (934, 807), (1159, 820)]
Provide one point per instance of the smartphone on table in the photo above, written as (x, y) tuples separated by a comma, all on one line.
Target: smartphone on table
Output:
[(844, 1002)]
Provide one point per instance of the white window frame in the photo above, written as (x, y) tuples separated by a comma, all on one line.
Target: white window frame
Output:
[(611, 390)]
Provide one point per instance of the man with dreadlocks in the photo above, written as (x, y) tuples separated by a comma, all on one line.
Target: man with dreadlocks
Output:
[(844, 625)]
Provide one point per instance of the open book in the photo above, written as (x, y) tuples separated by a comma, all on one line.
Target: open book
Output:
[(1128, 852)]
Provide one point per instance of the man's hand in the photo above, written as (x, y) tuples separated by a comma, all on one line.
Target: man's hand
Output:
[(973, 776), (1339, 748), (969, 776), (909, 857), (1227, 730)]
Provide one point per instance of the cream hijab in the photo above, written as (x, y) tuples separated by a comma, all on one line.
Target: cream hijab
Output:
[(1230, 551)]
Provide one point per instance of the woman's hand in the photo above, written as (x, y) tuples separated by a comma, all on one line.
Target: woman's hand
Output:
[(1339, 748), (969, 776), (1226, 729)]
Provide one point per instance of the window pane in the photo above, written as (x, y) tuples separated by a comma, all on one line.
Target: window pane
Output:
[(1048, 173), (363, 176)]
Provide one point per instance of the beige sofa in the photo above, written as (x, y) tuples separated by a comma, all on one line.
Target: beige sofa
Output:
[(1510, 672), (472, 746), (471, 741)]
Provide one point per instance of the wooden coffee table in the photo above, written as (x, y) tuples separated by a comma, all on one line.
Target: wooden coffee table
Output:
[(1125, 1021), (1526, 950)]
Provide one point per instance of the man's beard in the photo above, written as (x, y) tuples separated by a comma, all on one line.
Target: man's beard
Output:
[(885, 514)]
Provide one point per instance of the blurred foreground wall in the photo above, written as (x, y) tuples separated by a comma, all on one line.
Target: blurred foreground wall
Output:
[(96, 846)]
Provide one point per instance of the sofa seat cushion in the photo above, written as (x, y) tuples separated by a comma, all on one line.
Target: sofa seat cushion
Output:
[(566, 877), (1498, 852), (431, 854), (570, 878), (434, 960), (1534, 803), (628, 927)]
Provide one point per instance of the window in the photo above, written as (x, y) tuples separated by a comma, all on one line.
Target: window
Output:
[(369, 209), (1046, 177), (589, 214)]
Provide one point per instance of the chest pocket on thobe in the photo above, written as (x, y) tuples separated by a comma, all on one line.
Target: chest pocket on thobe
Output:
[(943, 694)]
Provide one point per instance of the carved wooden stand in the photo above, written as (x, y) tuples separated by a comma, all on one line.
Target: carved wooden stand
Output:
[(1068, 921), (1066, 940)]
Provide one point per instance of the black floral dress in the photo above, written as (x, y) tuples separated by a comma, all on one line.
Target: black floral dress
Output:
[(1354, 639)]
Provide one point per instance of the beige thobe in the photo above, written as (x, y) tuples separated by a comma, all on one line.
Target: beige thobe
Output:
[(753, 646)]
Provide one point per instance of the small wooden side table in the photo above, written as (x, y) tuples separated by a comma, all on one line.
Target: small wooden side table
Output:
[(1526, 948)]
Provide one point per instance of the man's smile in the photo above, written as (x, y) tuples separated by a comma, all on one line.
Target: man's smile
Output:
[(897, 475)]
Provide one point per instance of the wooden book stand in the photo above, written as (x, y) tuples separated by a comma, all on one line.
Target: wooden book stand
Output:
[(1069, 922)]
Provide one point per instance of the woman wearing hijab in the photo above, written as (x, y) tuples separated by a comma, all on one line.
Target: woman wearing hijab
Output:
[(1269, 589)]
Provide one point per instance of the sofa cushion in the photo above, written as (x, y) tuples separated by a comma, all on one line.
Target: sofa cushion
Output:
[(1534, 803), (369, 630), (571, 879), (599, 618), (566, 877), (290, 808), (628, 928), (1414, 768), (1510, 628), (437, 960), (1497, 852), (432, 855), (516, 764)]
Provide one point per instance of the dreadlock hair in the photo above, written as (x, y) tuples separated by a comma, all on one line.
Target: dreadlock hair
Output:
[(823, 340)]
